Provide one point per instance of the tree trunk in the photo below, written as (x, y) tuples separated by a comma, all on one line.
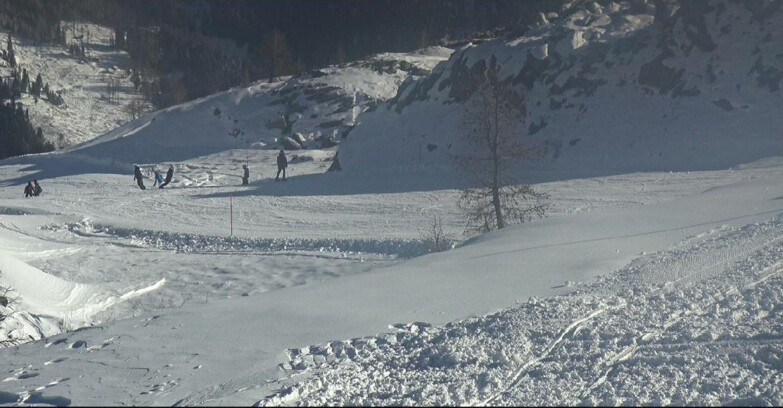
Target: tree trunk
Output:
[(496, 195), (496, 166)]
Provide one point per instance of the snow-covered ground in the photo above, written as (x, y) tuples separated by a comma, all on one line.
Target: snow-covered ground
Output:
[(287, 310), (654, 279)]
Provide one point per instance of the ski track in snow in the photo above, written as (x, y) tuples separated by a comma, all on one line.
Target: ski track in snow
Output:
[(655, 332)]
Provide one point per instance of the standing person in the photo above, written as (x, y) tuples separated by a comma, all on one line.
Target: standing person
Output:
[(282, 163), (138, 177), (158, 180), (28, 190), (169, 176), (36, 188), (246, 175)]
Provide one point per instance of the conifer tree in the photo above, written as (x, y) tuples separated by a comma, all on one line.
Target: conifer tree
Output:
[(37, 86), (25, 81), (11, 56)]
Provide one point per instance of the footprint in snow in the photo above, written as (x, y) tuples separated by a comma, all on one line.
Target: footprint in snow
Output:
[(58, 360), (78, 344), (56, 342), (52, 384), (26, 375)]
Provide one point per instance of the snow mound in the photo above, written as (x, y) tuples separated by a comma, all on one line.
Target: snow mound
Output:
[(48, 305)]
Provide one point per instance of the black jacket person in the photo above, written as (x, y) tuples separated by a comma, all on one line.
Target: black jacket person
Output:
[(282, 163), (169, 176), (138, 177)]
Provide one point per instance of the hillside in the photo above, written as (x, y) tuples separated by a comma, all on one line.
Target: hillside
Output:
[(87, 111), (650, 86), (320, 106)]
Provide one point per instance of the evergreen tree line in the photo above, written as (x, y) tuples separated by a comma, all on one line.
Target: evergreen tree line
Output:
[(37, 20), (17, 135), (19, 81), (179, 48)]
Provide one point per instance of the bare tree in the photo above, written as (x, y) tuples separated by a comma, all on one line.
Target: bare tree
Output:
[(278, 55), (135, 108), (434, 237), (494, 119), (112, 89), (6, 300)]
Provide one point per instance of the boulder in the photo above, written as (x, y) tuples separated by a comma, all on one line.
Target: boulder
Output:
[(278, 123), (289, 144), (299, 138)]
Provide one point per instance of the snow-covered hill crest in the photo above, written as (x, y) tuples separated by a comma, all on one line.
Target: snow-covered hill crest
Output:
[(697, 84), (316, 109)]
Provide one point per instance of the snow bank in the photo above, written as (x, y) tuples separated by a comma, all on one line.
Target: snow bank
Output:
[(46, 304)]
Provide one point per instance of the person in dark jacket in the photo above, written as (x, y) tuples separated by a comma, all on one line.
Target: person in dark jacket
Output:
[(37, 190), (28, 190), (138, 177), (169, 176), (282, 163), (245, 175)]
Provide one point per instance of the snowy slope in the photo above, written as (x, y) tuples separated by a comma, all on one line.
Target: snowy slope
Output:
[(641, 287), (86, 113), (667, 266), (319, 105), (690, 86)]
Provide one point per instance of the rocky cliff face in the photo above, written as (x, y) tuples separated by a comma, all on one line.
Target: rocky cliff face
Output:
[(609, 87)]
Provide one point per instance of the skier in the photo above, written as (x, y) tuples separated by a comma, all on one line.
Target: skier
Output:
[(282, 163), (246, 175), (28, 190), (158, 180), (138, 177), (169, 176), (36, 188)]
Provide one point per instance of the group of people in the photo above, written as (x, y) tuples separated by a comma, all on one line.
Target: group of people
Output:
[(32, 189), (159, 181), (282, 163)]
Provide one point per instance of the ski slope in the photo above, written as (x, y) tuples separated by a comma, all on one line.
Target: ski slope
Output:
[(249, 319), (655, 279)]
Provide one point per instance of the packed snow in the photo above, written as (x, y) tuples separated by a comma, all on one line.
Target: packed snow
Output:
[(653, 280)]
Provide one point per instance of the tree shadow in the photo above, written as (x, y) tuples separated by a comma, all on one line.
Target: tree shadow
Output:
[(51, 165)]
